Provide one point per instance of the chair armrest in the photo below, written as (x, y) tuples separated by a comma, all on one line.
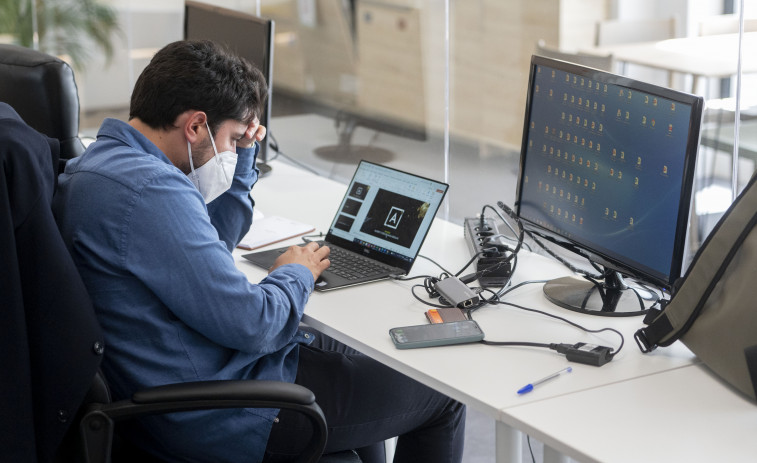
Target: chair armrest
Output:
[(241, 391), (98, 422)]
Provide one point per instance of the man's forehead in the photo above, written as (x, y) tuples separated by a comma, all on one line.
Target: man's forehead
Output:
[(233, 126)]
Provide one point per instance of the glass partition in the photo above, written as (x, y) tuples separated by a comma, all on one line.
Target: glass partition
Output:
[(359, 80), (439, 87)]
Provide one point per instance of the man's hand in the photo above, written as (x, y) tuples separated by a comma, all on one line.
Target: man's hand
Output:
[(312, 256), (255, 132)]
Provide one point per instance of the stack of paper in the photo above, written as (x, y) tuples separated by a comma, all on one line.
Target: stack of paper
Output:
[(272, 229)]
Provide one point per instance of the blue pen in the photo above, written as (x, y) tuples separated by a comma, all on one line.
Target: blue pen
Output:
[(530, 387)]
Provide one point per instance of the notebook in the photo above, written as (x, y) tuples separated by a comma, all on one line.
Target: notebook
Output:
[(380, 226), (272, 229)]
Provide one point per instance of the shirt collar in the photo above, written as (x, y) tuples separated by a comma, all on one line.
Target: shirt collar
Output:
[(125, 133)]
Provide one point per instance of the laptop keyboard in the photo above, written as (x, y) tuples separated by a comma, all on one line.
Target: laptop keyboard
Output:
[(353, 266)]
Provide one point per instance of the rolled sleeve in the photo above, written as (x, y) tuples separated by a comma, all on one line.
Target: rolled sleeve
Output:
[(231, 213), (204, 289)]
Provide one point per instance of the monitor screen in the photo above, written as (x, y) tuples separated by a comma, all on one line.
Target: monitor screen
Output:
[(247, 35), (607, 167)]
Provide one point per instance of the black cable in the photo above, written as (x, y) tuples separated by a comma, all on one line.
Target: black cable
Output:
[(273, 143), (307, 239), (522, 283), (587, 330), (279, 152), (516, 343), (531, 235), (528, 440), (435, 263), (404, 278), (501, 217), (438, 306), (475, 276), (550, 346), (563, 261)]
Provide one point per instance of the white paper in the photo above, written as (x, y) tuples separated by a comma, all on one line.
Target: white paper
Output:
[(272, 229)]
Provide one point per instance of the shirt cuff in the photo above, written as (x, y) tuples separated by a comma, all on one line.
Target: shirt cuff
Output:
[(301, 273), (247, 158)]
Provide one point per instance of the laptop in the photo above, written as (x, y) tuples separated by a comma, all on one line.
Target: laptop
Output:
[(379, 226)]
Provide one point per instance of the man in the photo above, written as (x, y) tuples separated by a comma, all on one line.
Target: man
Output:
[(157, 262)]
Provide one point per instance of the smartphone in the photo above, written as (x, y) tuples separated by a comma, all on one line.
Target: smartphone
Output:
[(439, 334)]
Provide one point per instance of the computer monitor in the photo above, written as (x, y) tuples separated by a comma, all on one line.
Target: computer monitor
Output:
[(606, 171), (247, 35)]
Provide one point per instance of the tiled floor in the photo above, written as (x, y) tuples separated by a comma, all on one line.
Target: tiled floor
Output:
[(479, 441)]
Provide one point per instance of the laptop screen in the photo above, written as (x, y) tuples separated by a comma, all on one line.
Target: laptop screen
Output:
[(386, 214)]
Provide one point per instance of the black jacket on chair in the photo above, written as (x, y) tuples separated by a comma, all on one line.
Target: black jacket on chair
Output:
[(43, 326)]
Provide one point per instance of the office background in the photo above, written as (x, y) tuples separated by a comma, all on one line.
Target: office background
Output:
[(446, 78)]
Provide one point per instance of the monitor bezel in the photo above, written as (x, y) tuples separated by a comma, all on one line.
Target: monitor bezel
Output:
[(269, 26), (583, 248)]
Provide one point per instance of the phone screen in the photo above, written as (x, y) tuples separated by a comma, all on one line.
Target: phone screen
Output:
[(436, 334)]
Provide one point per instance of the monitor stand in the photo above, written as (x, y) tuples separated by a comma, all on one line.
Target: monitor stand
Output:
[(346, 152), (264, 168), (610, 297)]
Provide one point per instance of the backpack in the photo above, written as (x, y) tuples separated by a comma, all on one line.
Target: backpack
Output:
[(713, 307)]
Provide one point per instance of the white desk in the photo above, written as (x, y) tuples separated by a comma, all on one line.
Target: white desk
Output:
[(682, 415), (706, 56), (483, 377)]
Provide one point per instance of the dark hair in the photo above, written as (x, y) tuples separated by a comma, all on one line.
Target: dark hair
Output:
[(199, 75)]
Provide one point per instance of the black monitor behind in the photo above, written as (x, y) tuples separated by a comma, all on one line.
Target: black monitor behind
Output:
[(247, 35)]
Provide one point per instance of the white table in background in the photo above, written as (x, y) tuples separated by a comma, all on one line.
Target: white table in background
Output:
[(711, 56)]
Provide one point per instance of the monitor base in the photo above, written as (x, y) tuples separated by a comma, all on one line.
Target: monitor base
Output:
[(353, 154), (264, 168), (584, 296)]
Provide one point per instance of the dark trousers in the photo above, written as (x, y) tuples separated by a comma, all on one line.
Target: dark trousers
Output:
[(365, 403)]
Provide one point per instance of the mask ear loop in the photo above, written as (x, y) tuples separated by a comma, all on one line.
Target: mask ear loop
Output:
[(215, 150), (213, 142), (191, 164)]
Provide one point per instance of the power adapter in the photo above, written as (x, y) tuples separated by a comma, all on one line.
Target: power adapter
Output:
[(588, 354), (456, 292)]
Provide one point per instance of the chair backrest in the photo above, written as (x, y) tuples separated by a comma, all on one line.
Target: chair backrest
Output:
[(615, 31), (602, 62), (51, 342), (725, 24), (42, 90)]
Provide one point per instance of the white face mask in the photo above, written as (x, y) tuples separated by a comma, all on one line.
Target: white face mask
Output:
[(214, 177)]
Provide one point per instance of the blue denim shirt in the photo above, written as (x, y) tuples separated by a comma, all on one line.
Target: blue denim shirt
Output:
[(157, 263)]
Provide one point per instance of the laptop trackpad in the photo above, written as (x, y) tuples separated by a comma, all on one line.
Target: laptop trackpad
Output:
[(264, 259)]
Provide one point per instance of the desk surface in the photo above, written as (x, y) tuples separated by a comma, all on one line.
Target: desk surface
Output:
[(708, 56), (683, 415), (484, 377)]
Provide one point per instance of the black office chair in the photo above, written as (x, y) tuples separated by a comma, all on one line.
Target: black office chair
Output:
[(42, 89), (56, 405)]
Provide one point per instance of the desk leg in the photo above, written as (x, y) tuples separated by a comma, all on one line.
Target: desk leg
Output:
[(553, 456), (509, 443)]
